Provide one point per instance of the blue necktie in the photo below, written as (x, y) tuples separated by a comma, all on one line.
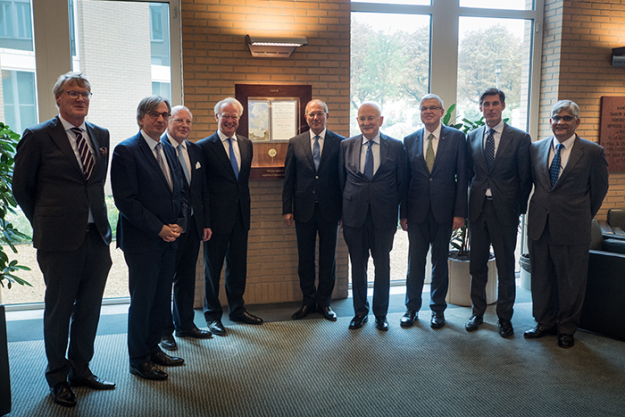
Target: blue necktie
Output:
[(316, 153), (233, 160), (489, 149), (554, 170), (185, 168), (369, 161)]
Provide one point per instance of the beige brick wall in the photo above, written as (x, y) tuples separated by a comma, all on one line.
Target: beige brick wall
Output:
[(578, 38), (215, 58)]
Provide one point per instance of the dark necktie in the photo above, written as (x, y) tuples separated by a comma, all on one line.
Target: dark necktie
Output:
[(489, 149), (429, 153), (554, 170), (161, 163), (233, 160), (86, 158), (185, 168), (316, 153), (369, 161)]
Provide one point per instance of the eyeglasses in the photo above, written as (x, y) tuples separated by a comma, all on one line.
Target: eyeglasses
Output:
[(315, 114), (74, 94), (565, 118), (155, 114), (431, 108)]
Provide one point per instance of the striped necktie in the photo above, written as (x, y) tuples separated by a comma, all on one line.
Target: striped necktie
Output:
[(86, 158)]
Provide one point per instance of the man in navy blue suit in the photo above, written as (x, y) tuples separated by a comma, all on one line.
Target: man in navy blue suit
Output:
[(147, 183), (436, 204), (198, 229)]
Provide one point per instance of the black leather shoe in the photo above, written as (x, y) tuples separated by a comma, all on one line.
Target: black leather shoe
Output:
[(194, 333), (163, 359), (63, 395), (147, 370), (409, 318), (92, 382), (381, 323), (303, 312), (327, 313), (247, 318), (216, 328), (168, 343), (505, 328), (357, 322), (566, 341), (540, 331), (473, 323), (438, 319)]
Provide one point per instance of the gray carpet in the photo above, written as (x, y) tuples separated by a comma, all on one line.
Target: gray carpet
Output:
[(319, 368)]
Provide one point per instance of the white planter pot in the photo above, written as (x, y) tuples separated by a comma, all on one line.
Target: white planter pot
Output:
[(459, 291)]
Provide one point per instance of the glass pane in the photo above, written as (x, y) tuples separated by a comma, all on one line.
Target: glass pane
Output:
[(411, 2), (494, 53), (390, 64), (499, 4), (16, 29)]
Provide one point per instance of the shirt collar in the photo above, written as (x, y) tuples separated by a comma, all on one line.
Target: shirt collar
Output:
[(175, 143), (151, 142), (322, 135), (567, 143), (436, 133), (497, 129), (67, 125), (223, 137), (376, 139)]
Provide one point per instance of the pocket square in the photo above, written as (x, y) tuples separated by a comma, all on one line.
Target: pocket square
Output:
[(197, 165)]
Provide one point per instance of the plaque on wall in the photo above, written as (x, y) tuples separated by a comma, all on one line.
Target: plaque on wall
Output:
[(612, 132)]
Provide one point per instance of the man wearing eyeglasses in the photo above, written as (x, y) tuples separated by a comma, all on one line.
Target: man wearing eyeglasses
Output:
[(311, 196), (228, 159), (570, 183), (435, 205), (60, 170), (147, 182)]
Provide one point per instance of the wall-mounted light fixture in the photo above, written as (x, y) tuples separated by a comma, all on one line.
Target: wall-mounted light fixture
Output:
[(274, 47), (618, 57)]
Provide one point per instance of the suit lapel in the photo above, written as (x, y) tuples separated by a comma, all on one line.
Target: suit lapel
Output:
[(222, 156), (479, 144), (504, 143), (305, 143), (149, 156), (59, 136), (383, 152), (542, 168), (440, 150), (245, 156), (577, 151)]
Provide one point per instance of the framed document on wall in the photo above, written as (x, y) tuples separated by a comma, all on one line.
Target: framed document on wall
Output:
[(272, 115)]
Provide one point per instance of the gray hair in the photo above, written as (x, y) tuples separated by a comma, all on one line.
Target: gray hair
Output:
[(321, 103), (226, 101), (176, 109), (372, 104), (433, 96), (150, 103), (565, 105), (72, 78)]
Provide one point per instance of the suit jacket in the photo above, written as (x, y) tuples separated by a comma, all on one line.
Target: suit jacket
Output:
[(303, 185), (49, 185), (197, 191), (510, 180), (225, 191), (383, 193), (143, 196), (444, 190), (569, 207)]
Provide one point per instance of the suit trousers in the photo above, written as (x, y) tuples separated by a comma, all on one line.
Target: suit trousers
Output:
[(559, 275), (422, 236), (233, 248), (486, 230), (181, 317), (306, 240), (379, 242), (75, 282), (150, 275)]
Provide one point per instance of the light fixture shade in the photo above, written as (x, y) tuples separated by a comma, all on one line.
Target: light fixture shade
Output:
[(274, 47)]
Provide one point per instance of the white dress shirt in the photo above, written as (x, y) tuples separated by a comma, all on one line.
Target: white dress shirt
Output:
[(375, 149)]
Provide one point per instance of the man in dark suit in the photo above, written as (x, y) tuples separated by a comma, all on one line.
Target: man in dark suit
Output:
[(571, 181), (311, 195), (198, 229), (147, 182), (436, 204), (373, 173), (228, 160), (60, 170), (500, 178)]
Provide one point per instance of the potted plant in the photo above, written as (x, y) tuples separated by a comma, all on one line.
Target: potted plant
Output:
[(8, 268)]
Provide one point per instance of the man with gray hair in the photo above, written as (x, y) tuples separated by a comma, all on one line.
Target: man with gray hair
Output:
[(228, 160), (198, 229), (570, 182), (147, 182), (60, 170), (435, 205)]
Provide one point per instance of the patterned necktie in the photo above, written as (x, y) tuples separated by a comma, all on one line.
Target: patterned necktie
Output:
[(316, 153), (86, 158), (161, 163), (185, 168), (429, 153), (233, 160), (369, 161), (554, 169), (489, 149)]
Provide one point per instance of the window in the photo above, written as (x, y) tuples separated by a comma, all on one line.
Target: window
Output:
[(16, 29), (18, 88)]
